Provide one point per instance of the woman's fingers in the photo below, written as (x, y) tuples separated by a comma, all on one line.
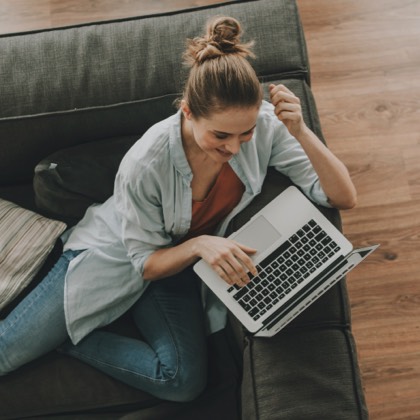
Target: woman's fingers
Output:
[(238, 264), (232, 274), (230, 260), (285, 101), (281, 93), (287, 108), (232, 263), (243, 255)]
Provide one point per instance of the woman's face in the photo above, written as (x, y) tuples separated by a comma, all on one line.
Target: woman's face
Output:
[(221, 134)]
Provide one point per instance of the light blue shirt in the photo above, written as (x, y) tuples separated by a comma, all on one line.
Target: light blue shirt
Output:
[(151, 209)]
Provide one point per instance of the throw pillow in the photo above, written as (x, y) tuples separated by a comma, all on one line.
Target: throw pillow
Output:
[(26, 239), (68, 181)]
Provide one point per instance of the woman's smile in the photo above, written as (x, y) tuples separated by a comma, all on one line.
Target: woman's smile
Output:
[(225, 153)]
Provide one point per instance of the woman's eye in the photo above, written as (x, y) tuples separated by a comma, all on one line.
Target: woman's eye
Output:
[(220, 136), (248, 133)]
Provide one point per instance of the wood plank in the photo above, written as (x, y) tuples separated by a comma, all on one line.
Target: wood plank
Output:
[(77, 11), (23, 15)]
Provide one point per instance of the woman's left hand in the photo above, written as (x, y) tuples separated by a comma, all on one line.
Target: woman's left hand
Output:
[(288, 109)]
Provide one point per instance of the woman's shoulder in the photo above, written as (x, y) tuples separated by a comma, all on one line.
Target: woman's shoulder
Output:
[(151, 151), (266, 113), (266, 108), (155, 140), (268, 123)]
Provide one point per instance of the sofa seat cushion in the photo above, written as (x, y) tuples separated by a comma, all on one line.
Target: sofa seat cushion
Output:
[(315, 376), (63, 386)]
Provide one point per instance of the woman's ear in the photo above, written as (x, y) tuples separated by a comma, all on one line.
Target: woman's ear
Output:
[(186, 109)]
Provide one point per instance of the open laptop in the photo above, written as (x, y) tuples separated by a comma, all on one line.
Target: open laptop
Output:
[(301, 254)]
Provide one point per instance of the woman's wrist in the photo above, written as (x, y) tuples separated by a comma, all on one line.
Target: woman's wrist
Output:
[(195, 245), (305, 134)]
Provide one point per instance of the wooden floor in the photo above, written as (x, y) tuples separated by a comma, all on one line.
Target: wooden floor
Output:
[(365, 62)]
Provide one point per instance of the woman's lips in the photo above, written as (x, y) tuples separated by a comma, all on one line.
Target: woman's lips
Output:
[(224, 154)]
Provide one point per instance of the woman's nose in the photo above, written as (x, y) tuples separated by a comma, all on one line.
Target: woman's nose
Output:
[(233, 146)]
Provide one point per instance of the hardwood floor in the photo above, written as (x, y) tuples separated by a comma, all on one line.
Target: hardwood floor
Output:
[(23, 15), (365, 61)]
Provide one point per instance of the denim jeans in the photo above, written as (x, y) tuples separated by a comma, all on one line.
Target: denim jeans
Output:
[(170, 362)]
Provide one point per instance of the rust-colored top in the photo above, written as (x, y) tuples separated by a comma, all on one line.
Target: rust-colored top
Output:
[(220, 201)]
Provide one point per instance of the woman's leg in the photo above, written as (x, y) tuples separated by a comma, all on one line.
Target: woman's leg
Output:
[(172, 361), (37, 325)]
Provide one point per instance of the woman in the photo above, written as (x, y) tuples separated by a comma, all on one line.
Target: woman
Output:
[(175, 192)]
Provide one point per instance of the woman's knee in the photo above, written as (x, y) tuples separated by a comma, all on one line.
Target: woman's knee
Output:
[(186, 385), (177, 382)]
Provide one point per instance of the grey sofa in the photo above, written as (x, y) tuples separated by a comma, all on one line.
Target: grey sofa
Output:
[(78, 97)]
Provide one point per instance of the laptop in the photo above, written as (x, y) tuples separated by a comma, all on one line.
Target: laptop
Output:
[(300, 255)]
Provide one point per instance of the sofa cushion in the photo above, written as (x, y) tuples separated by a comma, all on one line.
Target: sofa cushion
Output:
[(70, 180), (26, 239), (315, 376), (68, 388)]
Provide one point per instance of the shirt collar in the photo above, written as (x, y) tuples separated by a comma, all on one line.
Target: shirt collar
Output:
[(176, 148)]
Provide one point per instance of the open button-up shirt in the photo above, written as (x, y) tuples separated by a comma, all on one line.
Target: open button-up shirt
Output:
[(151, 209)]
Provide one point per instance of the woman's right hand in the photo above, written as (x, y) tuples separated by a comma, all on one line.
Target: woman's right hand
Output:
[(229, 259)]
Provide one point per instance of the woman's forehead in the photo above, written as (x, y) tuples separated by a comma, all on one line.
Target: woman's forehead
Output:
[(232, 120)]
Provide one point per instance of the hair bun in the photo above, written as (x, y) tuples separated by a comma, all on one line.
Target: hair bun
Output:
[(222, 38), (224, 31)]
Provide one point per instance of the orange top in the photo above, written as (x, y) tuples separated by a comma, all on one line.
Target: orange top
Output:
[(220, 201)]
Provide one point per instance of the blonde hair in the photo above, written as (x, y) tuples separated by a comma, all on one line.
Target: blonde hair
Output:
[(220, 74)]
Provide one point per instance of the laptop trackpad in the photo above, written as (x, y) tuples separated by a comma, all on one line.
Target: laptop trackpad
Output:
[(259, 234)]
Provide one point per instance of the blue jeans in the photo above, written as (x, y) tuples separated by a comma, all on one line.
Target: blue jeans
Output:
[(169, 363)]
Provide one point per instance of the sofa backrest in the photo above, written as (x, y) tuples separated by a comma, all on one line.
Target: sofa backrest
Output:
[(73, 85)]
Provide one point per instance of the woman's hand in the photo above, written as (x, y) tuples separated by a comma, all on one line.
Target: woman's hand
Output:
[(228, 258), (288, 109)]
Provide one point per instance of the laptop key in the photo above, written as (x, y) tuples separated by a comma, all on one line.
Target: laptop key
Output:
[(245, 305), (280, 250), (240, 294), (253, 311)]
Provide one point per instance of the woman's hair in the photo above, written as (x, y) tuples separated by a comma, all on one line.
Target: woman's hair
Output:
[(220, 74)]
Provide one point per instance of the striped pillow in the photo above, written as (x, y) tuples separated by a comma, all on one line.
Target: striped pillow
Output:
[(26, 239)]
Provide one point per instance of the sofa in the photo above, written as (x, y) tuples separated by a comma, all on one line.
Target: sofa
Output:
[(73, 100)]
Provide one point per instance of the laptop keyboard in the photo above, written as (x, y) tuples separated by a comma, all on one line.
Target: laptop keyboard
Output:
[(284, 269)]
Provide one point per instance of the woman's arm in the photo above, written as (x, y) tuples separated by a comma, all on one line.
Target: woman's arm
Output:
[(228, 258), (333, 175)]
